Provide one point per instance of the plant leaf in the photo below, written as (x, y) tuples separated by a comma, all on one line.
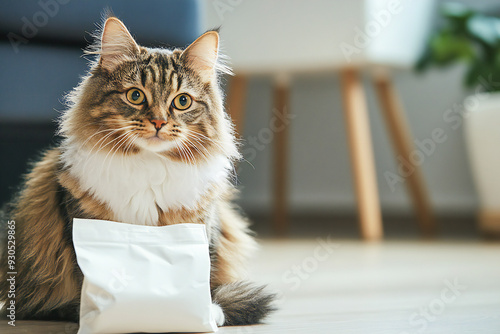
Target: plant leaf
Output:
[(447, 47), (486, 29)]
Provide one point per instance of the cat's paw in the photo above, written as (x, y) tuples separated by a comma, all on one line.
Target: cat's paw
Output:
[(218, 314)]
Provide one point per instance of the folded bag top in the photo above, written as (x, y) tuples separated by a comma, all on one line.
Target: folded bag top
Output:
[(143, 278)]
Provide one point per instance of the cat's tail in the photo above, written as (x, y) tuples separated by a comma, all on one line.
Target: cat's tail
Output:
[(243, 303)]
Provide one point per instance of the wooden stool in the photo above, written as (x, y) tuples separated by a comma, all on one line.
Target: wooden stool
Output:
[(361, 150), (296, 36)]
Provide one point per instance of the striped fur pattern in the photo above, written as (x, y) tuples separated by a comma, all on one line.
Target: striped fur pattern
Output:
[(148, 161)]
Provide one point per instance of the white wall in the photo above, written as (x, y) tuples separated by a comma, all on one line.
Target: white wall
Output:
[(320, 172)]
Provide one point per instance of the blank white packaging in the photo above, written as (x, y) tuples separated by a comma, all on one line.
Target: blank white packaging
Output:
[(150, 279)]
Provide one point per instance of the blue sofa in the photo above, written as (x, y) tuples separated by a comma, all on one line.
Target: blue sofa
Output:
[(41, 53)]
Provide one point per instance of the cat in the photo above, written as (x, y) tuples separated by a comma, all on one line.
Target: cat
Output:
[(145, 140)]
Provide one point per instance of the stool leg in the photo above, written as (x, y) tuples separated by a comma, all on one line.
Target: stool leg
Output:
[(401, 140), (280, 168), (236, 99), (363, 164)]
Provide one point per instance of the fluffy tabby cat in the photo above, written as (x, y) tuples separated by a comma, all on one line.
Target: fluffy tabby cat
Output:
[(146, 141)]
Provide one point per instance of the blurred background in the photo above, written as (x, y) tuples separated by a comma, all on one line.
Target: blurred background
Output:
[(266, 42), (320, 172), (360, 120)]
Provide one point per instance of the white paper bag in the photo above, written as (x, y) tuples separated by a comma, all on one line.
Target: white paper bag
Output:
[(143, 278)]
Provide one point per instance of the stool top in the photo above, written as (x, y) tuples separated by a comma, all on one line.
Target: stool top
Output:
[(295, 36)]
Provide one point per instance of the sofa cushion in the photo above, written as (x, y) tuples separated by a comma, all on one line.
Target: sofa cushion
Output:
[(172, 22), (35, 80), (44, 61)]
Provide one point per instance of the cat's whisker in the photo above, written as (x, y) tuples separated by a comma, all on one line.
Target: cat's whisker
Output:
[(181, 152), (192, 168), (101, 141), (108, 135), (130, 144), (95, 134), (198, 139), (101, 124), (117, 146), (125, 150), (191, 154), (248, 162), (101, 147), (178, 149), (207, 153), (186, 153), (92, 149), (193, 145), (204, 138), (233, 167), (121, 144)]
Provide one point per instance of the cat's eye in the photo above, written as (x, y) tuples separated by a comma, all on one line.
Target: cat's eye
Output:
[(182, 102), (136, 96)]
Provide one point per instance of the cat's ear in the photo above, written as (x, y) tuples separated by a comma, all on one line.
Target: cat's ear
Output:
[(116, 44), (202, 54)]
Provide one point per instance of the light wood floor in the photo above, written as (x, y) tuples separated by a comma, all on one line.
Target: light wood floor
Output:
[(395, 287)]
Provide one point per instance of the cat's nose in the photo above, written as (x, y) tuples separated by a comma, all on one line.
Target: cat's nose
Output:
[(158, 123)]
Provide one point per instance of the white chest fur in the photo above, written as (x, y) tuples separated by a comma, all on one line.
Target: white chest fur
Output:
[(134, 187)]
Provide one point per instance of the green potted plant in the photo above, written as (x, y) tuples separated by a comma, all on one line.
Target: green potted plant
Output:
[(473, 37)]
